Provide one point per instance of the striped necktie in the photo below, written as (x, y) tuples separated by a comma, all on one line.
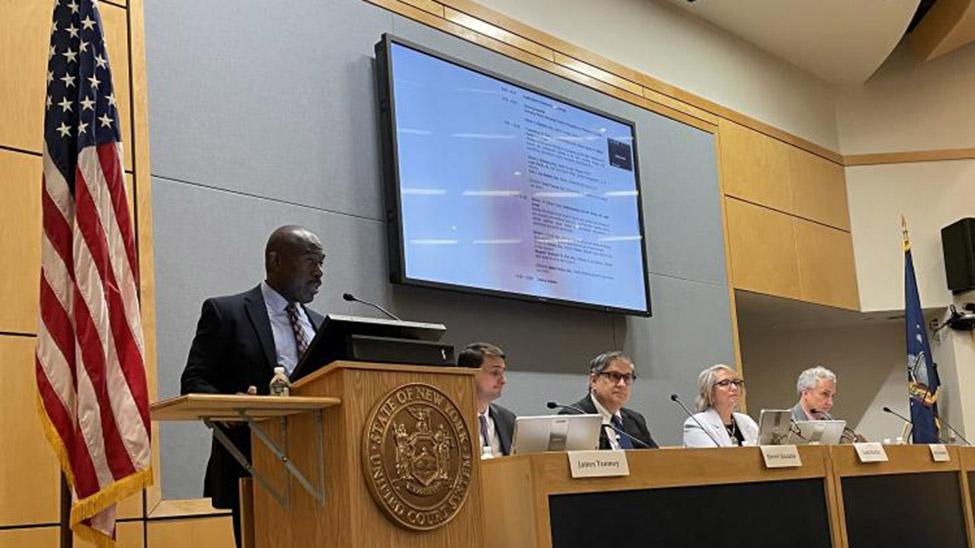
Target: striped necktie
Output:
[(301, 343)]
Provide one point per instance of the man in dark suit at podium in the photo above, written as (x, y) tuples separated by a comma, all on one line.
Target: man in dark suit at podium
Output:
[(496, 424), (611, 376), (241, 338)]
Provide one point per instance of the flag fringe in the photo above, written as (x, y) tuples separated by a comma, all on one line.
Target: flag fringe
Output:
[(54, 438), (91, 505), (107, 496), (94, 536)]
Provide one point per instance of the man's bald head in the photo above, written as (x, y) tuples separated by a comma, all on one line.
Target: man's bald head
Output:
[(293, 262)]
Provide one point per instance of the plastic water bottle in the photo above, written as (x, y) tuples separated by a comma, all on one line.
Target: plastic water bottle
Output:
[(280, 383)]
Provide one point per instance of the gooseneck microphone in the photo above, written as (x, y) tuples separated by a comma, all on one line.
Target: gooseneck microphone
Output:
[(908, 421), (898, 415), (944, 422), (620, 431), (676, 399), (352, 298)]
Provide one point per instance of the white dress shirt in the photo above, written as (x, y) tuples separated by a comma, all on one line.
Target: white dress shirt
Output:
[(614, 439), (493, 440), (284, 337)]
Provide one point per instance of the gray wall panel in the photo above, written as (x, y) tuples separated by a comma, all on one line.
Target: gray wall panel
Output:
[(264, 114), (267, 98), (690, 330), (681, 201)]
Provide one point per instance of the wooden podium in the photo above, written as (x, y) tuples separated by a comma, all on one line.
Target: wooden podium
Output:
[(348, 515)]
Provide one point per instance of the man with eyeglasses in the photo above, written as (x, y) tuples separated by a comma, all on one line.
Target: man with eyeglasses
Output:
[(496, 424), (611, 377)]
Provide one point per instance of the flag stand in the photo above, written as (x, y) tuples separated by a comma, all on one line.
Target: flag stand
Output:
[(67, 538)]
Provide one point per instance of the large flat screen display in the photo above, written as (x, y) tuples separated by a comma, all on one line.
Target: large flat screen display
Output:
[(497, 187)]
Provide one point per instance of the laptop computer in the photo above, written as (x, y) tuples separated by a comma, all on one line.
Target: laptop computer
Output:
[(556, 433), (827, 432)]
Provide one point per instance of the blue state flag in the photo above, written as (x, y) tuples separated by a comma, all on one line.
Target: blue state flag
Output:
[(922, 372)]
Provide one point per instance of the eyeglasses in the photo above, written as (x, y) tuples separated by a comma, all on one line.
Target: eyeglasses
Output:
[(725, 383), (615, 377)]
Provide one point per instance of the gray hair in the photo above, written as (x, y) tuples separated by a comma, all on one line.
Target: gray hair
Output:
[(705, 385), (809, 378), (599, 364)]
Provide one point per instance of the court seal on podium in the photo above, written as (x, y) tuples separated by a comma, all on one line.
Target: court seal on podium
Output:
[(417, 456)]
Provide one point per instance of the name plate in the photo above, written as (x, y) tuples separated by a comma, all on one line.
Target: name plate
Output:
[(598, 464), (871, 452), (781, 456), (939, 452)]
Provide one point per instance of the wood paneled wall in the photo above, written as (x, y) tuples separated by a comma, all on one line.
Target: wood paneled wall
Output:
[(29, 476), (788, 221)]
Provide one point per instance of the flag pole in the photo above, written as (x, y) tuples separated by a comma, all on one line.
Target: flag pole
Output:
[(906, 237), (67, 537)]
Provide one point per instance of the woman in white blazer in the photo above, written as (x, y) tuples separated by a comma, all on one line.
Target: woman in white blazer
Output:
[(717, 425)]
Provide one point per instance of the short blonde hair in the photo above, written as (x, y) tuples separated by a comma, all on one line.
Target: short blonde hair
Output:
[(705, 385)]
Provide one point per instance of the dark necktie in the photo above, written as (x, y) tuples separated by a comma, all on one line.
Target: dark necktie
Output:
[(485, 440), (301, 344), (623, 440)]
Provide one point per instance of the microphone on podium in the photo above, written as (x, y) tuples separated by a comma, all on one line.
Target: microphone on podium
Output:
[(676, 399), (352, 298), (620, 431), (909, 421), (944, 422), (898, 415)]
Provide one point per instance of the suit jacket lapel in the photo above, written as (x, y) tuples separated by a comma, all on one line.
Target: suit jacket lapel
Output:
[(257, 313), (501, 431), (717, 427), (631, 427), (315, 318)]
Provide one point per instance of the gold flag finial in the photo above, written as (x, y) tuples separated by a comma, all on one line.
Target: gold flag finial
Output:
[(906, 236)]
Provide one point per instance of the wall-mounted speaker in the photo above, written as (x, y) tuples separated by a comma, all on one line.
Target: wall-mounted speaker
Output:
[(958, 244)]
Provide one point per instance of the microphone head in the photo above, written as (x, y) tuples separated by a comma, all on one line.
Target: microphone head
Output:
[(348, 296), (551, 405), (673, 397), (887, 409)]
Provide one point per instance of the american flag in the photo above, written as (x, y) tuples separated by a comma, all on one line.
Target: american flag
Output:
[(90, 363)]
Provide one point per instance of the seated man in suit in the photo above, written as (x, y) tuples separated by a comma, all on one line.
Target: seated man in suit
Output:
[(816, 387), (611, 376), (241, 338), (497, 424)]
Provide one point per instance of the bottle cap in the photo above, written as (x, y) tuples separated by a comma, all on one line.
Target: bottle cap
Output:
[(279, 369)]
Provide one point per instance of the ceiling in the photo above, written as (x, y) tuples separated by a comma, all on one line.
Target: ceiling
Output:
[(758, 312), (840, 41)]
